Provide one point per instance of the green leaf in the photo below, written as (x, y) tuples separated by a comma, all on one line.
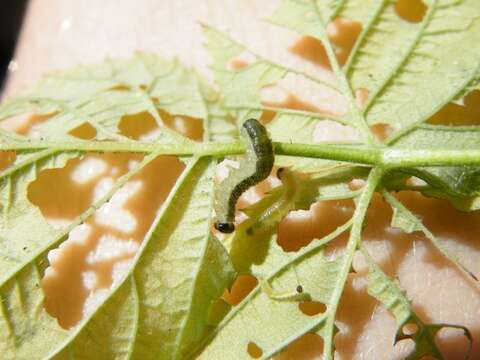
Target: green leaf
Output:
[(309, 268), (442, 41), (17, 211), (103, 93), (460, 185), (168, 305), (308, 17), (166, 327), (25, 323), (435, 57), (219, 125), (169, 326), (238, 89)]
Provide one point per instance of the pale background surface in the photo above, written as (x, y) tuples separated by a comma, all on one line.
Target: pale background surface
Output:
[(60, 34)]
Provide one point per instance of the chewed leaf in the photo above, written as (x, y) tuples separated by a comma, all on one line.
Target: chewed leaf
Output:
[(24, 260), (415, 49), (407, 221), (309, 268), (308, 17), (434, 56), (103, 93), (169, 304), (239, 88), (389, 293), (16, 211), (134, 327), (424, 338)]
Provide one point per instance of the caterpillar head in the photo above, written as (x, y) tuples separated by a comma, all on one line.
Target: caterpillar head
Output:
[(225, 227)]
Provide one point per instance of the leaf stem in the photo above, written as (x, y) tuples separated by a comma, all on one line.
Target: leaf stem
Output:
[(358, 219), (344, 85), (387, 157)]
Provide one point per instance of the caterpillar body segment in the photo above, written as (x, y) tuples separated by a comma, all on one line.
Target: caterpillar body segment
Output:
[(254, 167)]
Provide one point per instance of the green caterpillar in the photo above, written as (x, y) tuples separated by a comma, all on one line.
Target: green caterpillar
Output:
[(254, 167)]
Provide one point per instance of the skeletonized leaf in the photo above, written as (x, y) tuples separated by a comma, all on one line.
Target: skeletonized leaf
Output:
[(389, 293), (102, 94)]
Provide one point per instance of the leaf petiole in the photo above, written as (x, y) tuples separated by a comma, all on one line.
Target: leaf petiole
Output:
[(387, 157)]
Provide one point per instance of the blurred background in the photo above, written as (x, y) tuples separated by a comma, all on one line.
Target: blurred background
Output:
[(11, 15)]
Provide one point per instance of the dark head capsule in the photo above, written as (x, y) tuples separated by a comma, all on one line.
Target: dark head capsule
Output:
[(225, 227)]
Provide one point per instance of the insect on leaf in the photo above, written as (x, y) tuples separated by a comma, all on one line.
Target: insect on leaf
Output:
[(169, 304)]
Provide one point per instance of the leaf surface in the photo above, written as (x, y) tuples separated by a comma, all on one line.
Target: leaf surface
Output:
[(168, 305)]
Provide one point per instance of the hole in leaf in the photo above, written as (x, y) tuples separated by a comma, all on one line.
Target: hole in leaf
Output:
[(411, 10), (415, 181), (60, 197), (254, 350), (453, 344), (381, 131), (356, 184), (267, 116), (459, 115), (410, 328), (185, 125), (407, 346), (138, 126), (64, 193), (310, 49), (7, 158), (157, 178), (342, 33), (359, 263), (361, 96), (98, 252), (307, 347), (85, 131), (332, 131), (241, 61), (275, 96), (237, 64), (242, 286), (300, 227), (28, 125), (312, 308)]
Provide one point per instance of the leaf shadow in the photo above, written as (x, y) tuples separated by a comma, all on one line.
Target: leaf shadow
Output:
[(248, 250)]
